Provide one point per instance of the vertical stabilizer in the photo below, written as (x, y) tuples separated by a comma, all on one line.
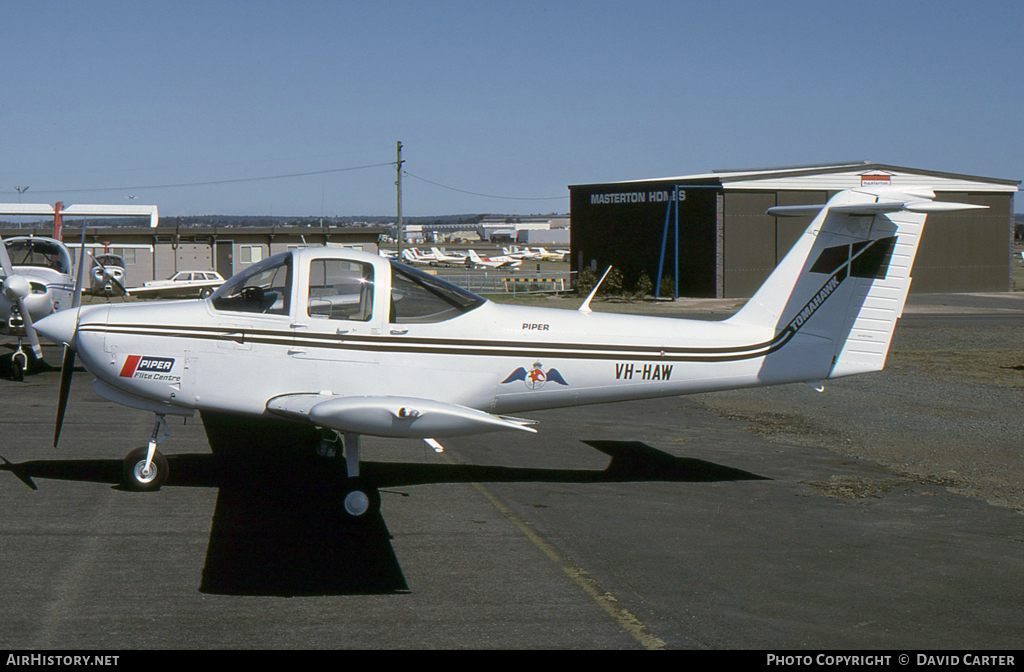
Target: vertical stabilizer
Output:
[(844, 283)]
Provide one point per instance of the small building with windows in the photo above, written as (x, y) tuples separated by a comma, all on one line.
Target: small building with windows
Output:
[(158, 253)]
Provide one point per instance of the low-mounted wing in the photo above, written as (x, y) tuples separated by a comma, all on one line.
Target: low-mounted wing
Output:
[(397, 417)]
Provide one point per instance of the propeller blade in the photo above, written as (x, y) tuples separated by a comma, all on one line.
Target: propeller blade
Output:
[(68, 365), (110, 276), (30, 332), (5, 260), (120, 288), (76, 298), (65, 388)]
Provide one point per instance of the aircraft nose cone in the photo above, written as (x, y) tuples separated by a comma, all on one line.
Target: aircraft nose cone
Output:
[(58, 327), (16, 287)]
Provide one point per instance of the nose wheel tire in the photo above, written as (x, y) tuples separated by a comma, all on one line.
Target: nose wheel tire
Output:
[(19, 365), (137, 478)]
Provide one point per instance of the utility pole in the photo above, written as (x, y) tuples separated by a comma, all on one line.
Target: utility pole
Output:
[(398, 183)]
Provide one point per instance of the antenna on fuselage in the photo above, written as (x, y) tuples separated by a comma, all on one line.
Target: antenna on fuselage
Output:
[(585, 308)]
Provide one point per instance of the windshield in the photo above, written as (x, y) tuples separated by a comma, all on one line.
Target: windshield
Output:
[(419, 297), (37, 252), (110, 260), (265, 287)]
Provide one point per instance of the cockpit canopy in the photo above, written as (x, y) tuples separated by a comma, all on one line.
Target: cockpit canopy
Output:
[(39, 252), (339, 288), (265, 287), (110, 260)]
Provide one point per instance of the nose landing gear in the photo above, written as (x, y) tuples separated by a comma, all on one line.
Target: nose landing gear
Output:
[(145, 468), (19, 364), (138, 477)]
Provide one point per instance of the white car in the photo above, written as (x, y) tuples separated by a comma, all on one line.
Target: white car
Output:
[(183, 284)]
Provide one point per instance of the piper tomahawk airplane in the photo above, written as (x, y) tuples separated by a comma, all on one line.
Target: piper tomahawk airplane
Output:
[(337, 343)]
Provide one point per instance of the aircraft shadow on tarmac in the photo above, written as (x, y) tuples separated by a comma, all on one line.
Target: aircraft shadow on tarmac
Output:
[(278, 527)]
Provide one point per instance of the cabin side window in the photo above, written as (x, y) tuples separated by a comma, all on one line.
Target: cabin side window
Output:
[(340, 290), (265, 287), (417, 297)]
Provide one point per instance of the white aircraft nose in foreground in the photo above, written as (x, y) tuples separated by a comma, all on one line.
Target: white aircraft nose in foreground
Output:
[(335, 343)]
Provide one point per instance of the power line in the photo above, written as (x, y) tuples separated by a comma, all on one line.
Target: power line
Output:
[(179, 185), (213, 182), (473, 193)]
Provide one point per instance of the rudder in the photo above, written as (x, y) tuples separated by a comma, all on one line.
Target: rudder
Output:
[(844, 282)]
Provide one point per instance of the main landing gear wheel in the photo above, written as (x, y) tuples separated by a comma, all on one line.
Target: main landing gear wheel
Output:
[(360, 503), (135, 475)]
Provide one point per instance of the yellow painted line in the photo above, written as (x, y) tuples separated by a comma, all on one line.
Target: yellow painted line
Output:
[(626, 620)]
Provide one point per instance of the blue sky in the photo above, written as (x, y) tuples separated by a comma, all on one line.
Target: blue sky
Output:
[(105, 100)]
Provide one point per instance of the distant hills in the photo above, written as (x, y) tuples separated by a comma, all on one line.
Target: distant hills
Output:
[(236, 221)]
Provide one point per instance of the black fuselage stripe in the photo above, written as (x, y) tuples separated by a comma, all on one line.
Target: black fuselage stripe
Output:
[(463, 348), (354, 342)]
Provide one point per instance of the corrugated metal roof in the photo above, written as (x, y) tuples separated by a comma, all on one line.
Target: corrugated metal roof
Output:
[(835, 176)]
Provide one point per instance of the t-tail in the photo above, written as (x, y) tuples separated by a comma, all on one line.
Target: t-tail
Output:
[(838, 293)]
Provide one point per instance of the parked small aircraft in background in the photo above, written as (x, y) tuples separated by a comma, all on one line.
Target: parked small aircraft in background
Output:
[(36, 277), (442, 258), (557, 255), (412, 255), (351, 344), (107, 276), (517, 252), (501, 261)]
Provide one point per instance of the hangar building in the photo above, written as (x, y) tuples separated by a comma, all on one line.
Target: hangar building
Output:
[(718, 235)]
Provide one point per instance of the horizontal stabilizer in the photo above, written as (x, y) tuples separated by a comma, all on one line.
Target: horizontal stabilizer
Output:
[(795, 210), (909, 202), (13, 468), (397, 417)]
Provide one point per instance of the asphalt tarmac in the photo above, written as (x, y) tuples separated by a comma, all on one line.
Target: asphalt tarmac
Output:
[(650, 524)]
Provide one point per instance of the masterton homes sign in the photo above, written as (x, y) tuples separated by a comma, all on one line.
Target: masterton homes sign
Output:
[(636, 197)]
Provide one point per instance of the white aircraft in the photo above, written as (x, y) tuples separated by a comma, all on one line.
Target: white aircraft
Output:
[(442, 258), (36, 277), (517, 252), (412, 255), (500, 261), (336, 343), (107, 275)]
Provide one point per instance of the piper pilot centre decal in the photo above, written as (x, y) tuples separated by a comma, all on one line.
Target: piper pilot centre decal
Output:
[(535, 377), (148, 368)]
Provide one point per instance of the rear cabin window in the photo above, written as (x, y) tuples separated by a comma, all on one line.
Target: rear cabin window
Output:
[(340, 290), (417, 297)]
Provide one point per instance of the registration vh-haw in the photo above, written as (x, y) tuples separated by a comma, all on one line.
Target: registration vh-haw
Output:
[(336, 343)]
